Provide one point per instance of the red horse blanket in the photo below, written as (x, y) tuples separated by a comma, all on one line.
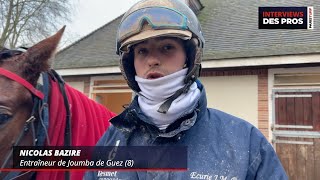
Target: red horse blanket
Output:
[(89, 120)]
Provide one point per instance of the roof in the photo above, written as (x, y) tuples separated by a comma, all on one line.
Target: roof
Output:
[(94, 50), (230, 29)]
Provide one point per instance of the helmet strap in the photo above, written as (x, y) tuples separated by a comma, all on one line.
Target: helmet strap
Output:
[(166, 105), (190, 78), (193, 74)]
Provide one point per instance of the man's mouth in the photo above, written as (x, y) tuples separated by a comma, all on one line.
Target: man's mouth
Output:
[(154, 75)]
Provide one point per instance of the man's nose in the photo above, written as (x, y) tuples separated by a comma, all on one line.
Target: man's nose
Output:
[(153, 60)]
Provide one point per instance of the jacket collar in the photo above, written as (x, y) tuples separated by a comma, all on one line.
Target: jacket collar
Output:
[(133, 118)]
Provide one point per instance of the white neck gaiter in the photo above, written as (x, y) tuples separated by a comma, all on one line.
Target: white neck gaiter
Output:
[(156, 91)]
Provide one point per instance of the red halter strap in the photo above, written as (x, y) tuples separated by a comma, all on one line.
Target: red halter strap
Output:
[(22, 81)]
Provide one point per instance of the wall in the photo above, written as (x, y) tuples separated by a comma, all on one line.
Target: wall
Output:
[(236, 95), (260, 87)]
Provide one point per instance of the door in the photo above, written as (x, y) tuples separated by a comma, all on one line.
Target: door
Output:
[(295, 129), (112, 92)]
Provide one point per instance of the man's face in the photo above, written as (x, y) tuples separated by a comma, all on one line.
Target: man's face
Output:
[(158, 57)]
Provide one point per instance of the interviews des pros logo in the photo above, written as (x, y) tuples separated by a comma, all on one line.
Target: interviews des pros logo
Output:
[(286, 17)]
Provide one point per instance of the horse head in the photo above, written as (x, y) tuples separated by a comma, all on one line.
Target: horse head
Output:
[(19, 74)]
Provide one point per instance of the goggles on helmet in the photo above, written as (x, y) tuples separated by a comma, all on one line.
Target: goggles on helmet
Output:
[(157, 17)]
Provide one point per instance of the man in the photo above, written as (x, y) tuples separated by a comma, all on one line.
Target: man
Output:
[(160, 44)]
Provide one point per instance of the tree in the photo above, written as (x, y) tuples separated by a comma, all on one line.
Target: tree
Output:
[(24, 22)]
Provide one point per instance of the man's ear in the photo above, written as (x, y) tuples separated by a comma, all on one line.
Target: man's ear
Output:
[(37, 58)]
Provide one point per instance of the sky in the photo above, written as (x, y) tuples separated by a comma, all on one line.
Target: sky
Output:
[(89, 15)]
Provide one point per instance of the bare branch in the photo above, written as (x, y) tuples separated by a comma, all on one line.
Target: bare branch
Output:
[(28, 21), (7, 24)]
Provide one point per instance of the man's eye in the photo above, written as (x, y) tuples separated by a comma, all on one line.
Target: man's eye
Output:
[(142, 51), (168, 47), (4, 118)]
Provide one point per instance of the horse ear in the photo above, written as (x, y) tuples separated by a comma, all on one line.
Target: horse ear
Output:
[(38, 56)]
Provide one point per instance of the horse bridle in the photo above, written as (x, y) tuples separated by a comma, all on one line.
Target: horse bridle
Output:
[(29, 122), (37, 97), (22, 133)]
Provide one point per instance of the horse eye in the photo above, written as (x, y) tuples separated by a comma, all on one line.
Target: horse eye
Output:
[(4, 118)]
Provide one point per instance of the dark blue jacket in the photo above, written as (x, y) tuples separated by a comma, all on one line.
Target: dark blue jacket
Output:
[(220, 146)]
